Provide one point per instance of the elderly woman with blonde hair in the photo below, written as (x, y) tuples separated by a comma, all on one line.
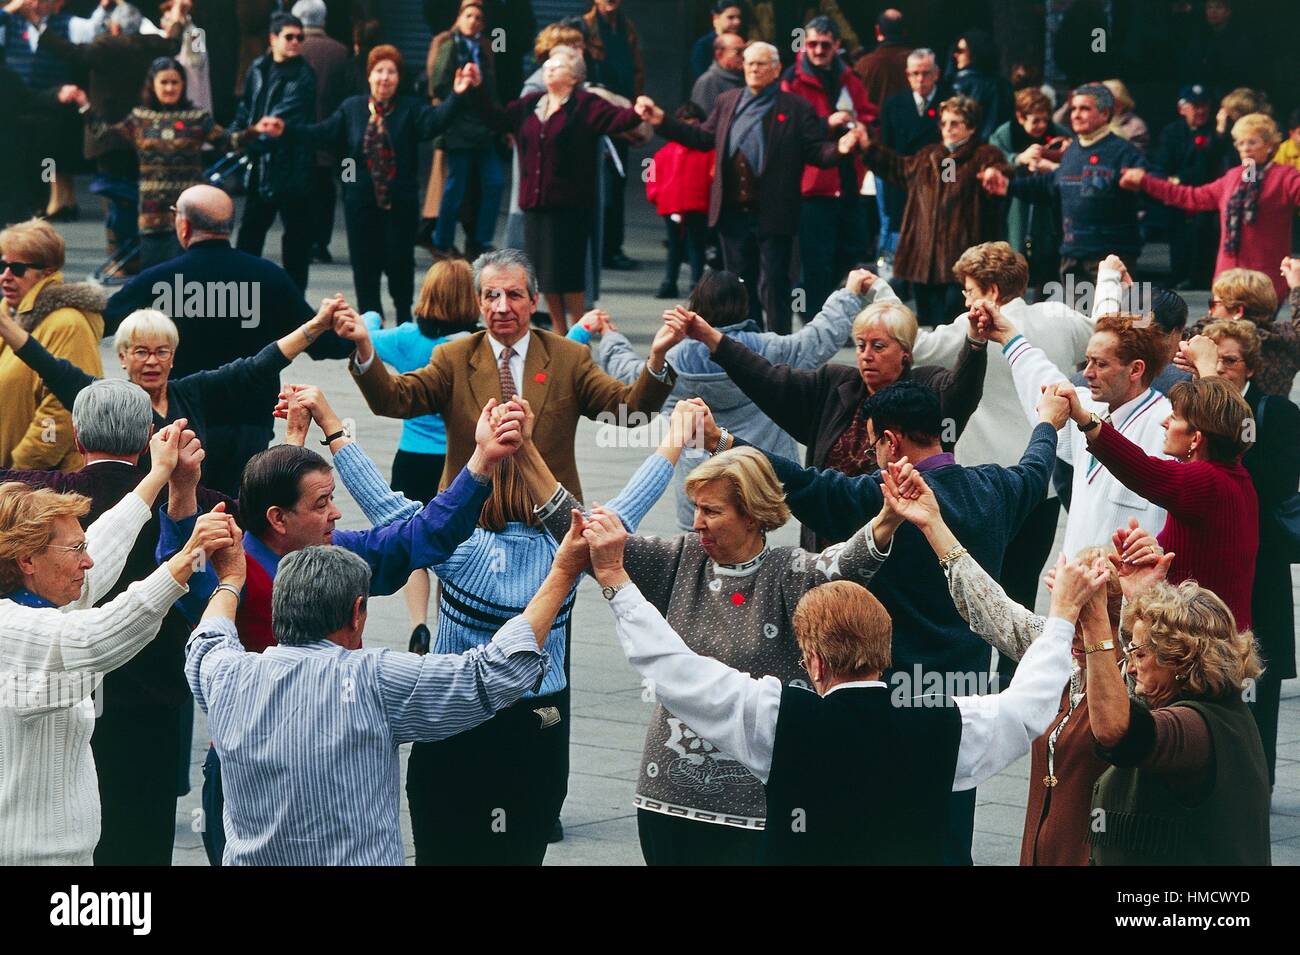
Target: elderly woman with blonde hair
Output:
[(731, 596), (821, 408), (1250, 296), (146, 344), (1256, 200), (63, 318), (55, 647), (1187, 783)]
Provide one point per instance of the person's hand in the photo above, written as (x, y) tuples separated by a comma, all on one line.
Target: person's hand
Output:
[(1074, 584), (1291, 271), (686, 423), (1031, 155), (529, 422), (313, 399), (189, 461), (907, 495), (839, 118), (648, 111), (1078, 414), (323, 320), (694, 326), (849, 142), (573, 556), (605, 536), (1113, 261), (350, 326), (71, 93), (995, 183), (1053, 407), (212, 532), (666, 336), (165, 446), (272, 126), (597, 321), (498, 442), (297, 418), (467, 77), (1138, 561), (228, 562), (991, 323), (1131, 179), (1198, 355), (1044, 165), (707, 431), (860, 281)]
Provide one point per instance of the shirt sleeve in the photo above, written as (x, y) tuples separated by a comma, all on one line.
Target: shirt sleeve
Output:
[(987, 609), (213, 648), (438, 695), (828, 502), (617, 358), (108, 543), (733, 711), (999, 728), (379, 502)]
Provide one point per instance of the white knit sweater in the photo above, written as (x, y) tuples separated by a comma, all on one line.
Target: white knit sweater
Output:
[(49, 794)]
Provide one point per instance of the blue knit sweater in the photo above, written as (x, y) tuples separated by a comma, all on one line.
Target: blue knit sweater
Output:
[(491, 577)]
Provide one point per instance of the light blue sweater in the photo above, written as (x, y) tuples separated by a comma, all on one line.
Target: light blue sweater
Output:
[(491, 577), (406, 349)]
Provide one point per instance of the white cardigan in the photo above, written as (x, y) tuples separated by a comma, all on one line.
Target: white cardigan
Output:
[(49, 793)]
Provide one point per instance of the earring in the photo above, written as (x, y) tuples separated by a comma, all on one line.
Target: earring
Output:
[(1180, 678)]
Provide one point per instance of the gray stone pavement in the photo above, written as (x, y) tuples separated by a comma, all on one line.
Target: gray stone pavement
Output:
[(609, 715)]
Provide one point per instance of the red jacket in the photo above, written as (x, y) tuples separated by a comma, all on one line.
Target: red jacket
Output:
[(681, 179), (802, 83)]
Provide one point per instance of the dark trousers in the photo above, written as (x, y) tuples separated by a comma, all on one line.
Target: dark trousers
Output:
[(322, 207), (489, 796), (833, 238), (136, 749), (1268, 700), (214, 807), (686, 242), (382, 242), (1078, 274), (763, 262), (461, 165), (937, 304), (1193, 247), (615, 188), (961, 829), (295, 246), (671, 840), (1023, 563)]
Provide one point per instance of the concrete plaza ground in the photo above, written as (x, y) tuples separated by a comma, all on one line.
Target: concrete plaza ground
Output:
[(609, 715)]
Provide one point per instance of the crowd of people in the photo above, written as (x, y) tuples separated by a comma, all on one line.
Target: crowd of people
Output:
[(835, 702)]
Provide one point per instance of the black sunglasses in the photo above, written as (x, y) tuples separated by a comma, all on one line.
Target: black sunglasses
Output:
[(19, 269)]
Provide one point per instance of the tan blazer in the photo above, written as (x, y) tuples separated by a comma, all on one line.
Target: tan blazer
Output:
[(560, 382)]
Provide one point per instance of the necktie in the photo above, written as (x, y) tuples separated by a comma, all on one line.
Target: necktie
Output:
[(507, 380)]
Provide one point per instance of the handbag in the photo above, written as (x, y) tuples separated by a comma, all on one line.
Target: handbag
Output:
[(1285, 517)]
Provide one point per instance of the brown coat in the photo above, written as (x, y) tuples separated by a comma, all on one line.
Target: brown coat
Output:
[(942, 219), (883, 71), (596, 46), (561, 383)]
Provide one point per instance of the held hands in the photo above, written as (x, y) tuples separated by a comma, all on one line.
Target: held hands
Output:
[(165, 446), (272, 126), (1291, 271), (989, 324), (693, 326), (1131, 179), (995, 183), (859, 281), (348, 325), (467, 77), (1074, 584), (672, 331), (1199, 356), (605, 536), (573, 557), (1115, 262), (520, 404), (299, 405), (323, 320), (71, 93), (686, 425), (189, 461), (1138, 560), (498, 441), (228, 562), (597, 321), (908, 496), (1054, 405), (855, 138), (649, 112)]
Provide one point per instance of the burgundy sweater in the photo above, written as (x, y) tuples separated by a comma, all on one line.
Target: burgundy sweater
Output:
[(1213, 522)]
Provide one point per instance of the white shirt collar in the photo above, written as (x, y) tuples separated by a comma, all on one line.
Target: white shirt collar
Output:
[(1245, 391), (1121, 414), (520, 347), (852, 684)]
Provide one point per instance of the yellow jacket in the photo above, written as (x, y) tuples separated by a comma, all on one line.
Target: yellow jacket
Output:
[(1288, 153), (35, 429)]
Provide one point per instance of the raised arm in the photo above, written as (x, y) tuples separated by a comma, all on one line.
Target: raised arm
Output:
[(425, 391), (792, 397), (64, 379), (1204, 198)]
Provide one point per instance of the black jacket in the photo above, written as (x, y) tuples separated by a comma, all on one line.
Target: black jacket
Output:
[(345, 130), (992, 92), (286, 90), (906, 132)]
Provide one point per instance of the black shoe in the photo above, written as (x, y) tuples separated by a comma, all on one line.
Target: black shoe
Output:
[(557, 832), (322, 255), (667, 290), (419, 640), (620, 263)]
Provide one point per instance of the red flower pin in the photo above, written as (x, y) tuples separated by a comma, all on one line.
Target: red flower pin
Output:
[(1094, 159), (178, 124), (930, 112), (780, 117), (1200, 141), (737, 599), (539, 377)]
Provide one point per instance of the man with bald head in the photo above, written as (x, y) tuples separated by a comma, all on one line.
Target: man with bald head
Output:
[(226, 304)]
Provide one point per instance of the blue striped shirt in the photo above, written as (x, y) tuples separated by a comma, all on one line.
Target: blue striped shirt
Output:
[(308, 735)]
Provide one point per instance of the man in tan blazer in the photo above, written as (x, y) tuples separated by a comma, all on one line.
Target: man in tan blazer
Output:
[(555, 374)]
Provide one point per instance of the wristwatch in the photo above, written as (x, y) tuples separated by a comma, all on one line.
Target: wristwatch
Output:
[(1093, 422), (609, 592), (1103, 645)]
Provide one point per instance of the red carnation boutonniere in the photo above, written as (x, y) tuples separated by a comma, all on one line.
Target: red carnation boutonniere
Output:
[(540, 377), (1199, 141), (1094, 160), (930, 112)]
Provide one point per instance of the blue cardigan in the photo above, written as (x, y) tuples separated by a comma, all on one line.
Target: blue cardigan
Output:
[(406, 348)]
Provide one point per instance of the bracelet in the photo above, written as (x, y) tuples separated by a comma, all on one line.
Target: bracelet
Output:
[(954, 554), (723, 435), (1094, 647), (331, 438), (230, 588), (308, 335)]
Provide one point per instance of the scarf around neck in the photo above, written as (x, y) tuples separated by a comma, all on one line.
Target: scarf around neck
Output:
[(747, 126), (377, 145), (1243, 204)]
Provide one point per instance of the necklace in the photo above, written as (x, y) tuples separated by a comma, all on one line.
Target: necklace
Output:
[(1076, 696)]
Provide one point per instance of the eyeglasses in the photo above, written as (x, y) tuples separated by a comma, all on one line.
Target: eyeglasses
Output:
[(19, 269), (140, 353), (1139, 651), (291, 37), (74, 548), (818, 44), (1215, 303), (1229, 361)]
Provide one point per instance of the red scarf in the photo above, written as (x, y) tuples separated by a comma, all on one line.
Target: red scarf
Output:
[(381, 160)]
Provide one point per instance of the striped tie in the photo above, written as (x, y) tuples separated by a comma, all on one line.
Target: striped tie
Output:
[(508, 388)]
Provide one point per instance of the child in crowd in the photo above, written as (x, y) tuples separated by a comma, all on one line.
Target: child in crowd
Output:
[(678, 185)]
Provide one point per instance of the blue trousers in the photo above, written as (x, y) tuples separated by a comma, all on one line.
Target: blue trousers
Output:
[(461, 164), (214, 807)]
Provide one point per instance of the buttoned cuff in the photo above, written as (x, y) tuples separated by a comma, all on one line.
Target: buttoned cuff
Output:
[(357, 368)]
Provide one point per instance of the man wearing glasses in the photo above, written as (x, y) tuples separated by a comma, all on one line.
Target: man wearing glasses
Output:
[(279, 84)]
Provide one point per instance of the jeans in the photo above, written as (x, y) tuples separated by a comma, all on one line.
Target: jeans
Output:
[(461, 164), (832, 240)]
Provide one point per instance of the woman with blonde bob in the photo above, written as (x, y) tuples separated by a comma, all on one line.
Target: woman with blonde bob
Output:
[(822, 408), (1247, 295), (730, 595), (1256, 200), (146, 344), (1188, 783)]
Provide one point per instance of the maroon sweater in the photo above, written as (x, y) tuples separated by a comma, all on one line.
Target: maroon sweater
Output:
[(1213, 523)]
